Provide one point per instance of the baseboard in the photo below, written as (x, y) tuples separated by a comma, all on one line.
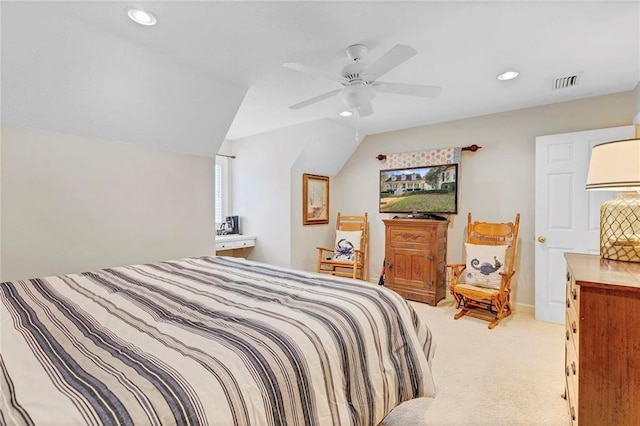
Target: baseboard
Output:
[(517, 307), (523, 308), (373, 280)]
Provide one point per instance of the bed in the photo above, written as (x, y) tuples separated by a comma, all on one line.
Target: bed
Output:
[(207, 341)]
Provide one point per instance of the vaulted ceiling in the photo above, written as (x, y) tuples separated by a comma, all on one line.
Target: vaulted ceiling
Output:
[(461, 47)]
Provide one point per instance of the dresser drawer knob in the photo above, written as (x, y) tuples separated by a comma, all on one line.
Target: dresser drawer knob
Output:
[(430, 282), (430, 257), (568, 303), (566, 370), (574, 327), (573, 368), (389, 265), (574, 294), (567, 333), (568, 276)]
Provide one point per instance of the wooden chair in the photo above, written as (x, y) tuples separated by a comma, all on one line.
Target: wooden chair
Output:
[(491, 303), (337, 260)]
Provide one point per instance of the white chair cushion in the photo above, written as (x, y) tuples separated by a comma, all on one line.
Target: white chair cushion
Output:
[(465, 288), (346, 243), (484, 264)]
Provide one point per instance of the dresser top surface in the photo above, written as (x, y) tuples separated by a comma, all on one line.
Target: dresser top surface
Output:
[(592, 270)]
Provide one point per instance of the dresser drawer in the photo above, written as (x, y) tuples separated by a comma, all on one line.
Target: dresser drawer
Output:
[(573, 294), (572, 403), (571, 374), (572, 366), (572, 329)]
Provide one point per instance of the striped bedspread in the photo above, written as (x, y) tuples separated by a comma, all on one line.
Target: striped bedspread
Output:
[(207, 341)]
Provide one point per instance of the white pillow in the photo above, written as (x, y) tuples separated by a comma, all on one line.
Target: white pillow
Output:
[(484, 264), (346, 243)]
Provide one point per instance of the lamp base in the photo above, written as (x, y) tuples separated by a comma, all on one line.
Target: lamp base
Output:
[(620, 228)]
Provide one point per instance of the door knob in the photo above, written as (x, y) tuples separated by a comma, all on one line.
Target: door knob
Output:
[(542, 239)]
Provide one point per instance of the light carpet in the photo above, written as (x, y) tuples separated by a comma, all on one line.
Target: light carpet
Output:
[(511, 375)]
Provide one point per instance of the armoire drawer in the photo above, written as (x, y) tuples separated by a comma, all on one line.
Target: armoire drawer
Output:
[(403, 238)]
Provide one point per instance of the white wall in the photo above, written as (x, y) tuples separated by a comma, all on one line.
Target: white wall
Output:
[(121, 204), (636, 95), (496, 182), (328, 149), (225, 148), (261, 182), (267, 187), (1, 206), (86, 81), (74, 203)]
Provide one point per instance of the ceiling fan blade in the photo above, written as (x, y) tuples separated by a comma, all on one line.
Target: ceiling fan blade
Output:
[(315, 99), (394, 57), (408, 89), (365, 110), (313, 71)]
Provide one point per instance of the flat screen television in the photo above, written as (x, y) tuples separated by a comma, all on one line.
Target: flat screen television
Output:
[(420, 191)]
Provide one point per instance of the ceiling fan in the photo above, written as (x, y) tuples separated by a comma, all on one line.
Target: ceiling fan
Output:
[(359, 80)]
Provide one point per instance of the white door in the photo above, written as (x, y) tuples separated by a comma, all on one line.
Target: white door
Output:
[(567, 215)]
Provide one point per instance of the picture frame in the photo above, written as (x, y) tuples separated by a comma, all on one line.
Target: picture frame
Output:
[(315, 199)]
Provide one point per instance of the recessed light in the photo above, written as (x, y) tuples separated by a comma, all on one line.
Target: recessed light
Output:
[(142, 17), (346, 114), (507, 75)]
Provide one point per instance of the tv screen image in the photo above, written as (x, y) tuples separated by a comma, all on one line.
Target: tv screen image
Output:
[(422, 190)]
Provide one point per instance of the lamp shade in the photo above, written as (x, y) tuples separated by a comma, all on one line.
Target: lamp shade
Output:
[(615, 166)]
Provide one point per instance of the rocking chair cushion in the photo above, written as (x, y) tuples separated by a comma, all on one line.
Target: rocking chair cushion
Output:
[(346, 244), (484, 264)]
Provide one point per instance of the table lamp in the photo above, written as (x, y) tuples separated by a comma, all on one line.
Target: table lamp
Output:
[(615, 166)]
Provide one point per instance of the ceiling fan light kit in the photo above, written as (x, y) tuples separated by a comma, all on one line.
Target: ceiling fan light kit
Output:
[(358, 96), (359, 80)]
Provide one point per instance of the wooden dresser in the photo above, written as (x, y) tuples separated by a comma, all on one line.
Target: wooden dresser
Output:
[(602, 347), (415, 258)]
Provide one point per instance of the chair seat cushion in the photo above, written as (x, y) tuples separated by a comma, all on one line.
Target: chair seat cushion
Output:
[(346, 244), (331, 261), (477, 292), (484, 264)]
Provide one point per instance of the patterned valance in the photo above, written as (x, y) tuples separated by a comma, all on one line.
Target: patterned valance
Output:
[(429, 157)]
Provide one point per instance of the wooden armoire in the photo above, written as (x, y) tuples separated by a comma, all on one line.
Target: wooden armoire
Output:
[(415, 258)]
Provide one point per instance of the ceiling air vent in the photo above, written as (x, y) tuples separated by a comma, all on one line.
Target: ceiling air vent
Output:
[(565, 81)]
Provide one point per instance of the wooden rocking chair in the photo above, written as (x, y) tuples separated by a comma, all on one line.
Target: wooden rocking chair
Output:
[(483, 289), (348, 257)]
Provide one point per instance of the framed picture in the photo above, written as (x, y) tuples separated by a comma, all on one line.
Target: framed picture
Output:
[(315, 199)]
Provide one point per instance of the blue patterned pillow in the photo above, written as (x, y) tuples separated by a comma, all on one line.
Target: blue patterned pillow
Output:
[(484, 264), (346, 243)]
